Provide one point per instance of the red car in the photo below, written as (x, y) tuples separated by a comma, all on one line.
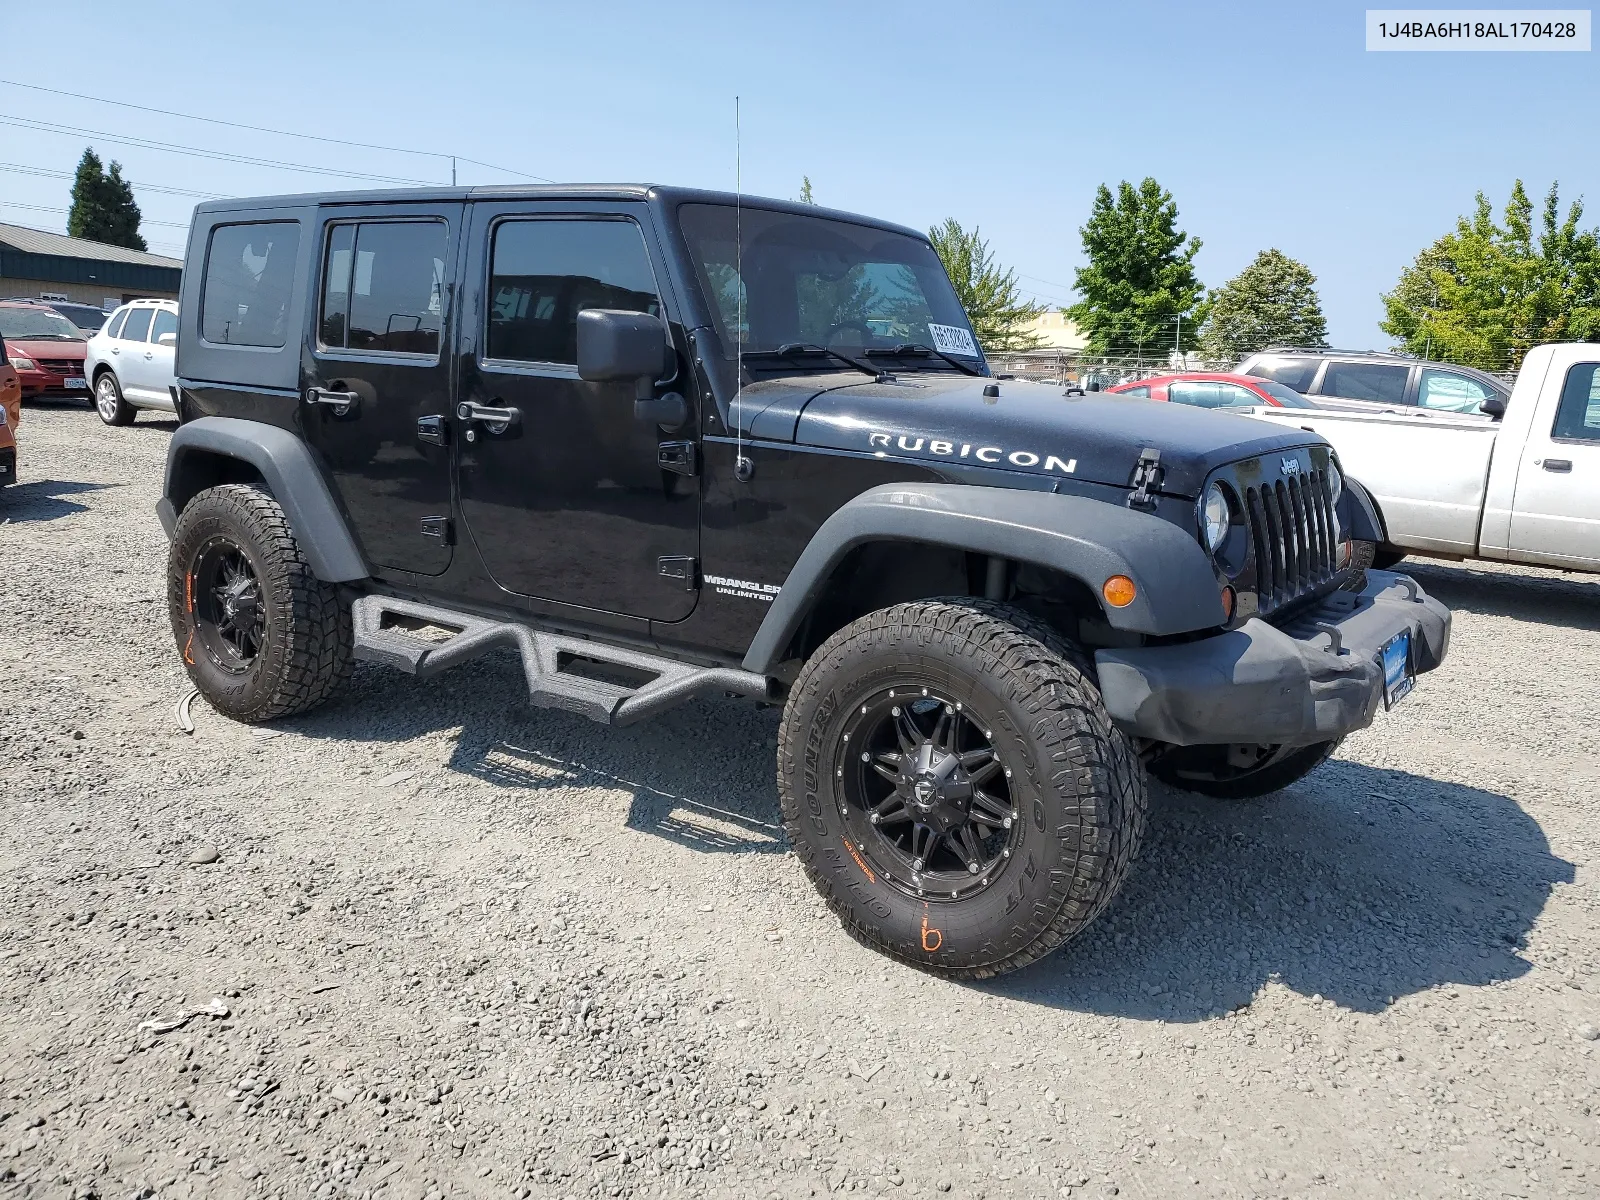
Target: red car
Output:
[(1214, 389), (45, 348)]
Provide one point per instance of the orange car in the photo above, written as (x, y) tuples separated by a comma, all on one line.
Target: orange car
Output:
[(10, 414)]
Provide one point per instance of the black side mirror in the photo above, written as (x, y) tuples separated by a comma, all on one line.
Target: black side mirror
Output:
[(1494, 406), (1093, 385), (614, 345)]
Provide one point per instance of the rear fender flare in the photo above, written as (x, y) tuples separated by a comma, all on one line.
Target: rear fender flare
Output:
[(1087, 539), (286, 465)]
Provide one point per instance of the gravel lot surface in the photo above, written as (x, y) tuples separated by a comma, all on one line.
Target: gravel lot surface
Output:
[(430, 942)]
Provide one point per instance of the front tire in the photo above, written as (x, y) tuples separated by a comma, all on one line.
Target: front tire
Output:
[(1009, 806), (260, 635), (108, 401), (1225, 772)]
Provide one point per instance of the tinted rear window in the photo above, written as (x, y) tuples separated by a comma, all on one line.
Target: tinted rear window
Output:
[(1365, 381), (248, 283), (1294, 373)]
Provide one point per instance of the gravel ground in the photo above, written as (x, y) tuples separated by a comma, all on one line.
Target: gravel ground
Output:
[(430, 942)]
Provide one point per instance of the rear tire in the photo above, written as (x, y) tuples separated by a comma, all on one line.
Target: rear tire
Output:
[(260, 635), (1020, 708), (108, 401), (1205, 769)]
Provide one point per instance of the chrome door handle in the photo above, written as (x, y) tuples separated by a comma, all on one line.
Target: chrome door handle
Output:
[(495, 420), (340, 402)]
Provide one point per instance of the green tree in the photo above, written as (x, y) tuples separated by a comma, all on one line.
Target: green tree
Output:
[(1274, 299), (1485, 293), (805, 190), (988, 292), (103, 208), (1140, 293)]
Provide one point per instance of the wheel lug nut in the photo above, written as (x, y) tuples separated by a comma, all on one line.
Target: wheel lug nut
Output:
[(865, 757), (1008, 772), (876, 818), (972, 868), (916, 864), (1007, 822), (924, 691), (895, 711), (949, 710)]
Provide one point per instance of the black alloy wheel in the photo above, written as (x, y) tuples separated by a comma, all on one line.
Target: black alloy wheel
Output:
[(925, 794), (230, 617)]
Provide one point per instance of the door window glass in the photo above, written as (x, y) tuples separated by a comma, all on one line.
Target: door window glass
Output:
[(1210, 393), (1365, 381), (1142, 393), (165, 321), (115, 328), (248, 282), (1578, 418), (1451, 392), (1295, 373), (544, 273), (383, 286), (137, 327)]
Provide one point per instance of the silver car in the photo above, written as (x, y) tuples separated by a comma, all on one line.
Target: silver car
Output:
[(129, 363)]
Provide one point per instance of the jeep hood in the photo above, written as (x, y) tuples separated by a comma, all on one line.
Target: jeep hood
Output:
[(1029, 427)]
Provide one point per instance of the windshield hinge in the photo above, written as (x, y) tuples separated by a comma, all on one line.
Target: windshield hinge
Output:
[(1146, 479)]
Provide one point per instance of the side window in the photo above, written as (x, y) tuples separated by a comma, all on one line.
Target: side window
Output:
[(1204, 393), (544, 272), (383, 286), (1296, 373), (1578, 418), (1451, 392), (165, 321), (1139, 393), (248, 284), (1231, 395), (137, 326), (115, 328), (1365, 381)]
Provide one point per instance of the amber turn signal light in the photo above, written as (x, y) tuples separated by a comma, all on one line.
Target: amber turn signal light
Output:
[(1119, 591), (1228, 600)]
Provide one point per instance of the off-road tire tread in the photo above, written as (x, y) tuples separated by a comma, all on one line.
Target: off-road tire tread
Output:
[(1279, 775), (1060, 689), (318, 624)]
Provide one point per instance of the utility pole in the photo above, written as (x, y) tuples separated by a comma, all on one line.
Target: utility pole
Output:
[(1177, 343)]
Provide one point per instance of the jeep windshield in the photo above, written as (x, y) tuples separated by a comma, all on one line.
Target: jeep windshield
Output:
[(813, 293)]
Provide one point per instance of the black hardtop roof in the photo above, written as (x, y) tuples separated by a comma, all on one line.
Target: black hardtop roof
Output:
[(666, 195)]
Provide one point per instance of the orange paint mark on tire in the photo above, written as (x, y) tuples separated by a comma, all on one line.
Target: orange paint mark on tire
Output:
[(938, 938), (188, 593), (187, 646), (865, 870)]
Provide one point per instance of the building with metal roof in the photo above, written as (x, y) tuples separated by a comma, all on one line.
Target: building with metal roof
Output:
[(34, 263)]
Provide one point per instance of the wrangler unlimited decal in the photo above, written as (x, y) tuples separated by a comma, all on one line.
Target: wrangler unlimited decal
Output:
[(742, 588), (882, 443)]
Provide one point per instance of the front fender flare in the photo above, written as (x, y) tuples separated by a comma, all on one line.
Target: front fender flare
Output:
[(1087, 539), (291, 475)]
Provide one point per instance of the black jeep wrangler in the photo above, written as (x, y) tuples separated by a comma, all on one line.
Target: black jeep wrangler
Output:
[(664, 443)]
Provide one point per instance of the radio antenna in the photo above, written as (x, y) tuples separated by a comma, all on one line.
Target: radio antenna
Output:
[(741, 465)]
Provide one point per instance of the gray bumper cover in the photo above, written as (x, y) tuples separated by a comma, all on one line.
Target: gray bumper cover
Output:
[(1314, 679)]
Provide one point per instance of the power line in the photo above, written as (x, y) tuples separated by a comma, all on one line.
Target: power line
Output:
[(143, 220), (198, 152), (310, 137), (46, 172)]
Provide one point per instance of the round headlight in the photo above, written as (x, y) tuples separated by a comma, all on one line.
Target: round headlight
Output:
[(1335, 482), (1216, 516)]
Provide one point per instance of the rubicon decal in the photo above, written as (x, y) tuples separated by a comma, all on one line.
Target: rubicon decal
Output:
[(885, 444), (743, 588)]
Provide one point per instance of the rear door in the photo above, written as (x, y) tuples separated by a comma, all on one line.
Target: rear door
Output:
[(578, 502), (159, 354), (376, 389), (1366, 384), (1555, 517), (128, 354)]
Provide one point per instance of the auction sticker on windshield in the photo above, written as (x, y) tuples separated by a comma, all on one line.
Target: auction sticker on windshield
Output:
[(952, 339)]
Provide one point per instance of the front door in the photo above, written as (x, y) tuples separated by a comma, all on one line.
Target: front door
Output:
[(376, 394), (1555, 517), (568, 501)]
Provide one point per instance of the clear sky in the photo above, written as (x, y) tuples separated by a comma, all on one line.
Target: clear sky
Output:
[(1270, 123)]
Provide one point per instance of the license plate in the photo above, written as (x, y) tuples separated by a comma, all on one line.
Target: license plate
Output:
[(76, 381), (1398, 676)]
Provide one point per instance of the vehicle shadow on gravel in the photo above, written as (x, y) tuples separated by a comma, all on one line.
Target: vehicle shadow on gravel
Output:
[(1570, 601), (44, 499), (699, 775), (1358, 884)]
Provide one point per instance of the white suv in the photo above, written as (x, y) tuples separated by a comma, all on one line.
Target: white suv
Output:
[(129, 363)]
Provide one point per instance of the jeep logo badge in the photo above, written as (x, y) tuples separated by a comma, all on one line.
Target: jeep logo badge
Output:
[(1291, 466)]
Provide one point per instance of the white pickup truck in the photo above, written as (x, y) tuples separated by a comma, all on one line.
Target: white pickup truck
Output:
[(1524, 488)]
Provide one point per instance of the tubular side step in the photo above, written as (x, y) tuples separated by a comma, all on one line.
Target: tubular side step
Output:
[(550, 684)]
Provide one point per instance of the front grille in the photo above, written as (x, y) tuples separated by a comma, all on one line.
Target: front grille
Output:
[(61, 366), (1292, 534)]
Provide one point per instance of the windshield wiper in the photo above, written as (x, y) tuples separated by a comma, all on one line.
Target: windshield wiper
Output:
[(797, 349), (918, 349)]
